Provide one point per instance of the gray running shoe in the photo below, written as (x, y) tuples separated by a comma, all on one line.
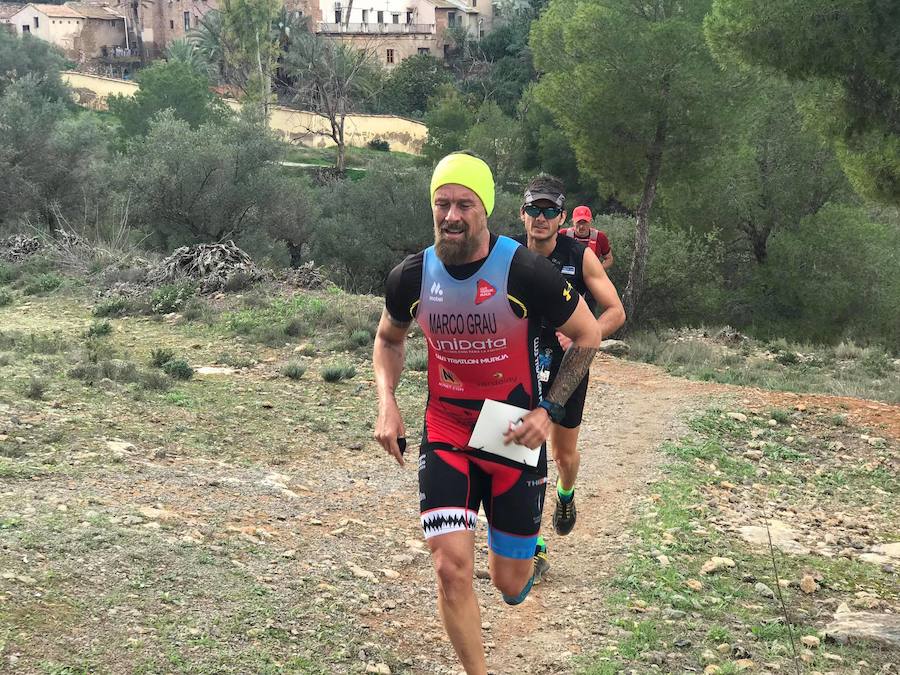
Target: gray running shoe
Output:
[(564, 516)]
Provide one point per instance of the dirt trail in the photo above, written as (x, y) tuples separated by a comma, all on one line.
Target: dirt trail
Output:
[(631, 409)]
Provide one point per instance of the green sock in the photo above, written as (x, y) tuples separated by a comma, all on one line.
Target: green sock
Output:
[(565, 496), (540, 543)]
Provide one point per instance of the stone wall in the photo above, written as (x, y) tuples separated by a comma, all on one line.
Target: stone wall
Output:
[(295, 126)]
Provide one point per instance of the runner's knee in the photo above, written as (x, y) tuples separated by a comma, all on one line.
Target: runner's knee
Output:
[(454, 571)]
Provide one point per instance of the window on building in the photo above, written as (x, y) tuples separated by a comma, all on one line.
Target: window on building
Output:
[(409, 17), (337, 15), (172, 24), (26, 28), (196, 21), (365, 15), (390, 55), (395, 18), (187, 21), (424, 50), (474, 3), (451, 18), (37, 22), (380, 17)]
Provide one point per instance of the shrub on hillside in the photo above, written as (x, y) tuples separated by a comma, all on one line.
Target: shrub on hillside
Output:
[(6, 298), (684, 284), (336, 372), (178, 369), (42, 283), (229, 186), (171, 297)]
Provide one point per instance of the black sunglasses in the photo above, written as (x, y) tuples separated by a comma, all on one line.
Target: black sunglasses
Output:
[(550, 212)]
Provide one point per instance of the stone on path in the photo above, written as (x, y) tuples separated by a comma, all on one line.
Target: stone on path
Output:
[(715, 564), (784, 537), (883, 554), (738, 417), (851, 627), (614, 347)]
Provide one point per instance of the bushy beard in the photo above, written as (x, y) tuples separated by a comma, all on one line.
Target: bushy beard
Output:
[(455, 252)]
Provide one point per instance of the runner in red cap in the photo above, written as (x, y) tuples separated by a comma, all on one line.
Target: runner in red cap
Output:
[(594, 239)]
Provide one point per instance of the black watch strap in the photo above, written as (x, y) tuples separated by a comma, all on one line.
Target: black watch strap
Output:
[(554, 410)]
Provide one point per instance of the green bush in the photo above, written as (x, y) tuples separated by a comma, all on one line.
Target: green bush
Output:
[(877, 363), (417, 359), (336, 372), (171, 297), (361, 338), (155, 381), (8, 274), (161, 356), (234, 360), (42, 283), (379, 144), (6, 298), (99, 329), (297, 326), (36, 388), (787, 358), (294, 370), (686, 289), (115, 306), (198, 309), (238, 282), (178, 369)]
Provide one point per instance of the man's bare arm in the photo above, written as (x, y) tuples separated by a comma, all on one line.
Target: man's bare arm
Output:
[(607, 260), (612, 313), (388, 358)]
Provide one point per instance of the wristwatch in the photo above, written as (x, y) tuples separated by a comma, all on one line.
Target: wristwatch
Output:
[(554, 410)]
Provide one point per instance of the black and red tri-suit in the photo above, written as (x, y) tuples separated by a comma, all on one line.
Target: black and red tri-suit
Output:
[(481, 323)]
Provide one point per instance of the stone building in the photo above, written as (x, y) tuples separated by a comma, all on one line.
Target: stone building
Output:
[(398, 29), (81, 31)]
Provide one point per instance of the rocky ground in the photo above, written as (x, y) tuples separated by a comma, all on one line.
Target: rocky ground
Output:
[(245, 522)]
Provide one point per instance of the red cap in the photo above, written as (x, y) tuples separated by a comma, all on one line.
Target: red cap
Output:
[(581, 213)]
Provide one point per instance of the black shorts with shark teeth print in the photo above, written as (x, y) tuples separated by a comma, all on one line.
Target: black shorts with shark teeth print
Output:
[(453, 484)]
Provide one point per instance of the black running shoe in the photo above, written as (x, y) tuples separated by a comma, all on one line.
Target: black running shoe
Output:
[(541, 564), (564, 516)]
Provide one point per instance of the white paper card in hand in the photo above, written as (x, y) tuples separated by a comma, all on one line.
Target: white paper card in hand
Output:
[(492, 424)]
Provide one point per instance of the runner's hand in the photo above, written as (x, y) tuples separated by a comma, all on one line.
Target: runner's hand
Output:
[(389, 427), (564, 342), (532, 431)]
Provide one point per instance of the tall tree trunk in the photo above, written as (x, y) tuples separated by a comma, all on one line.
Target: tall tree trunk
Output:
[(264, 84), (341, 147), (635, 287)]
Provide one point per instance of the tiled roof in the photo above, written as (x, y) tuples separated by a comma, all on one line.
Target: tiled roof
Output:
[(95, 11), (57, 11)]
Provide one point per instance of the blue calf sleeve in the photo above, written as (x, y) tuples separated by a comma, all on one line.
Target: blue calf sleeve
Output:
[(520, 598)]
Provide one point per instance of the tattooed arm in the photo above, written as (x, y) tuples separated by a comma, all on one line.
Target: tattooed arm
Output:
[(584, 332), (582, 328), (388, 358)]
